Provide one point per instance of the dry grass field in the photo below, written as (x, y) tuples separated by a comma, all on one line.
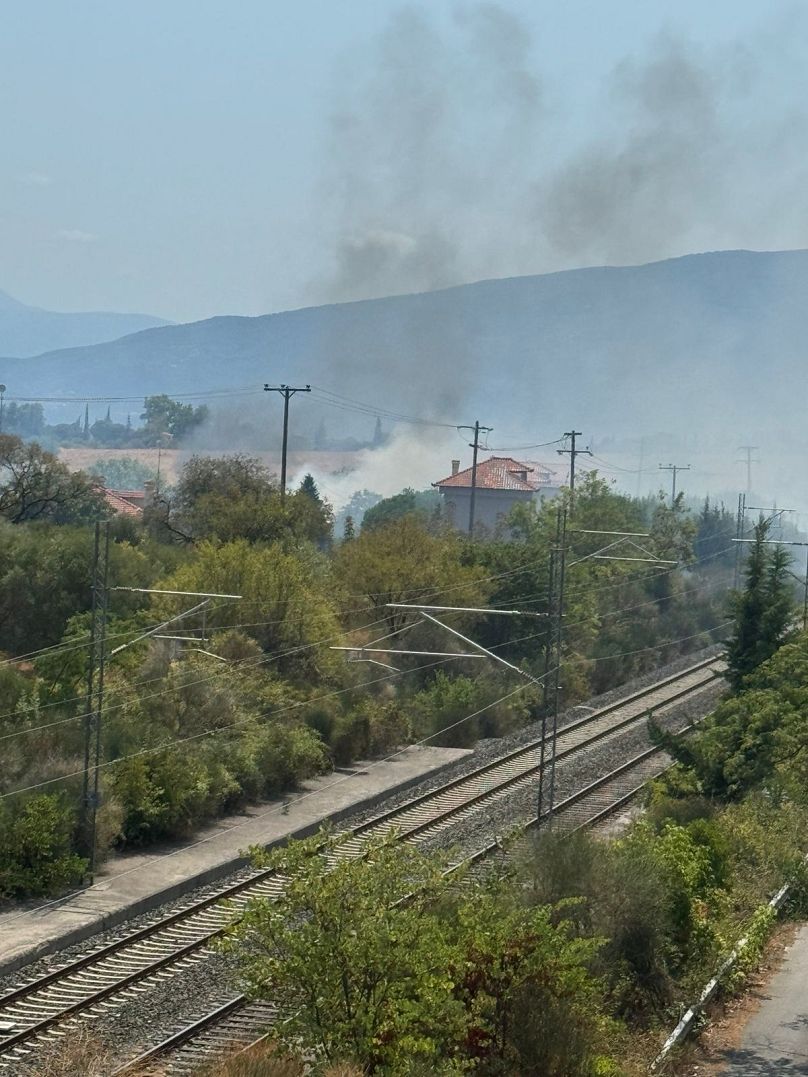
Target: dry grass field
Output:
[(172, 460)]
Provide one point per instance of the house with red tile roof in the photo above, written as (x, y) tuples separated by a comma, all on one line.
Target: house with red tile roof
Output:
[(122, 506), (128, 502), (501, 483)]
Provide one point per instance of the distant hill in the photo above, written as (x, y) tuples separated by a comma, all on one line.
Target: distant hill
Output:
[(26, 331), (712, 342)]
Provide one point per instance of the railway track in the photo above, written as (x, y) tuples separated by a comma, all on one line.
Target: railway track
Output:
[(240, 1022), (93, 984), (231, 1026)]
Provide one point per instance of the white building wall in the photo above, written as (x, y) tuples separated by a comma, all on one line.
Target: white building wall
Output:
[(491, 507)]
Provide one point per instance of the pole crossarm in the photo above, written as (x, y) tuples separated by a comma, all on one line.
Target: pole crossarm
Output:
[(647, 560), (772, 542), (479, 647), (465, 609), (674, 470), (603, 555), (477, 429), (393, 650), (159, 591), (623, 534), (158, 628), (573, 453)]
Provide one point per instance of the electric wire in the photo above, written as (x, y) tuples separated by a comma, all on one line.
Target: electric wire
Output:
[(525, 599), (282, 807), (274, 712)]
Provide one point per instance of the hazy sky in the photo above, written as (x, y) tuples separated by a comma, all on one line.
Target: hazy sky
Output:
[(191, 157)]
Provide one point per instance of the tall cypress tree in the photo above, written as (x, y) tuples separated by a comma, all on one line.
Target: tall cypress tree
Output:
[(763, 610)]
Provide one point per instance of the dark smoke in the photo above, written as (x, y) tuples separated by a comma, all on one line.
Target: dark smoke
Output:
[(422, 148), (442, 165)]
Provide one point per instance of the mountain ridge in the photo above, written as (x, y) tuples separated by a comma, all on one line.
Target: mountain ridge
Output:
[(27, 331), (604, 339)]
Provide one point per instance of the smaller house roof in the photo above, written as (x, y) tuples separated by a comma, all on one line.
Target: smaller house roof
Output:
[(501, 473), (119, 504)]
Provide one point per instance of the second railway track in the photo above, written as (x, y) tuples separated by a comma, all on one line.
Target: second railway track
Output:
[(32, 1013), (240, 1023)]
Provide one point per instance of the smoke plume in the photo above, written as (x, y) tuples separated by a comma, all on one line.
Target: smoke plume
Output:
[(443, 164)]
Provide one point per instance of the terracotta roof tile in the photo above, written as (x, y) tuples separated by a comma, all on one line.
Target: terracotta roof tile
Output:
[(503, 473), (120, 504)]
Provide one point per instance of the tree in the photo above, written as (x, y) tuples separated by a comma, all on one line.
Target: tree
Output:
[(34, 485), (437, 982), (309, 487), (408, 503), (233, 497), (402, 562), (355, 974), (162, 415), (107, 433), (45, 580), (321, 437), (286, 606), (763, 610), (715, 530), (24, 420), (124, 472)]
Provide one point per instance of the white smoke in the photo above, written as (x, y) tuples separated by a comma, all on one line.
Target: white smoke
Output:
[(414, 457)]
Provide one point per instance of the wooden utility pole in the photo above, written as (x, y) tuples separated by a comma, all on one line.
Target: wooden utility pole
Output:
[(572, 452), (95, 694), (477, 430), (286, 391), (674, 468), (748, 449)]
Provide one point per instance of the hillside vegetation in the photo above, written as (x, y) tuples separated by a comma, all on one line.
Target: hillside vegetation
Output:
[(262, 702)]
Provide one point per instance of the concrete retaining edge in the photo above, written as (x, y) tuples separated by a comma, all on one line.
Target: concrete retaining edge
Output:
[(194, 882), (685, 1026)]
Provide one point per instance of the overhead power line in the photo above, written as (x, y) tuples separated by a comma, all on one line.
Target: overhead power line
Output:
[(78, 399)]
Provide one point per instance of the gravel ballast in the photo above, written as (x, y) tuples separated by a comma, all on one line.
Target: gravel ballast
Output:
[(159, 1009)]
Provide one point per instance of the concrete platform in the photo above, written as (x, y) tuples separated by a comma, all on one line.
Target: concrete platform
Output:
[(134, 883)]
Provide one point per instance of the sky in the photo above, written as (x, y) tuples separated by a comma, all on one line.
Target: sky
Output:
[(194, 158)]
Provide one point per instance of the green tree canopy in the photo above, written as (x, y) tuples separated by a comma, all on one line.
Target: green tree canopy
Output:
[(440, 980), (286, 604), (237, 497), (421, 504), (34, 485), (763, 610), (162, 415), (403, 562)]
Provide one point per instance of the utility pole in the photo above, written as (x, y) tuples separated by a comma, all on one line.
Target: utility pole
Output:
[(98, 657), (286, 391), (2, 394), (95, 691), (640, 467), (674, 468), (740, 526), (477, 430), (748, 449), (572, 452), (612, 551), (561, 554)]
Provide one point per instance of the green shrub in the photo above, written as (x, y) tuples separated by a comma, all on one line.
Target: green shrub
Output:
[(36, 848)]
